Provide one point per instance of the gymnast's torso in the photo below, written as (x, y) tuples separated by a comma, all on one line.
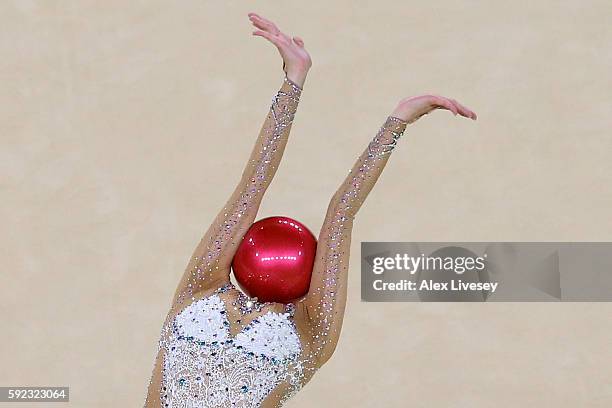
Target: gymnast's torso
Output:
[(226, 350)]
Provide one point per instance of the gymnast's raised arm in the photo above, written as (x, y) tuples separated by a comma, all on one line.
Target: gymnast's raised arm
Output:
[(210, 263), (326, 299)]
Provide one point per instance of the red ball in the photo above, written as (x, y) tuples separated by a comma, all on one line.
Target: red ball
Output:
[(274, 260)]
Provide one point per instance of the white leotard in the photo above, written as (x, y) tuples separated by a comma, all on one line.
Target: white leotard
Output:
[(204, 366)]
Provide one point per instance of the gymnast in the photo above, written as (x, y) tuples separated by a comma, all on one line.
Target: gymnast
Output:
[(220, 347)]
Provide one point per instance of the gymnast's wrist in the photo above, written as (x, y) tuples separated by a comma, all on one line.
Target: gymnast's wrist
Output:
[(290, 88), (395, 124), (297, 76)]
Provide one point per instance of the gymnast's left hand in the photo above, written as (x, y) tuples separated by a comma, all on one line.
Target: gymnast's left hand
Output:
[(411, 109), (296, 60)]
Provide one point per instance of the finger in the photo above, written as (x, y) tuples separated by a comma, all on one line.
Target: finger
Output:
[(269, 22), (257, 22), (269, 25), (460, 108), (270, 37), (468, 113), (298, 41), (445, 104), (255, 15)]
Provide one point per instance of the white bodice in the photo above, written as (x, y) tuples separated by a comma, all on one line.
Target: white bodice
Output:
[(204, 366)]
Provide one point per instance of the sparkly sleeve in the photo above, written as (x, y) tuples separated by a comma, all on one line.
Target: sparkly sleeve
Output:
[(327, 296), (212, 258)]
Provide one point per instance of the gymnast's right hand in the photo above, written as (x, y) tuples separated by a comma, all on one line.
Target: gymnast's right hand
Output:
[(296, 60)]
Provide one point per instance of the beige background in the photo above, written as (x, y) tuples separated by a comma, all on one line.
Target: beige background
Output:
[(124, 126)]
